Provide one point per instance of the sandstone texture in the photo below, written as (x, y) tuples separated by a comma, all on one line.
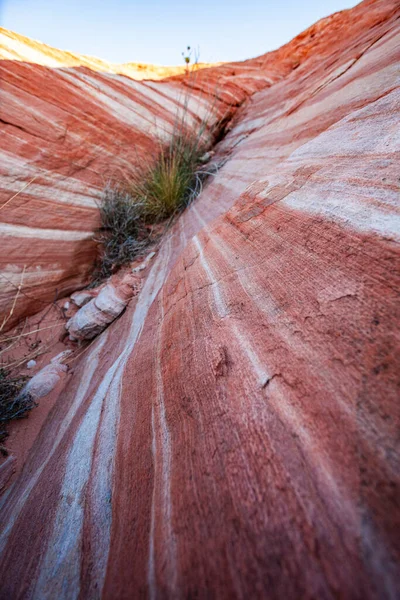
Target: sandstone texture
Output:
[(69, 124), (235, 433), (66, 131)]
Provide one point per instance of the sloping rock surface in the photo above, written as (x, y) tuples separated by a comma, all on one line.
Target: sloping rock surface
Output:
[(70, 123), (235, 433), (65, 132)]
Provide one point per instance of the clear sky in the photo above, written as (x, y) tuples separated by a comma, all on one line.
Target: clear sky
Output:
[(156, 31)]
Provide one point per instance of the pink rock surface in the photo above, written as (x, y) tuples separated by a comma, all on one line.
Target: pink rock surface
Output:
[(7, 468), (83, 297), (69, 123), (235, 433)]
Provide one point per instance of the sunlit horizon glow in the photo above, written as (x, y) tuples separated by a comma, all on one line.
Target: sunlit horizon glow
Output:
[(157, 32)]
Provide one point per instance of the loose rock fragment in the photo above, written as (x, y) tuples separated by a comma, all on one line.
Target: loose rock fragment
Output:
[(144, 264), (83, 297), (46, 380), (94, 316), (207, 156)]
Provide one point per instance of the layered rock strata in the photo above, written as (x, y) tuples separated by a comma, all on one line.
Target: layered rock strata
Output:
[(235, 433), (69, 124)]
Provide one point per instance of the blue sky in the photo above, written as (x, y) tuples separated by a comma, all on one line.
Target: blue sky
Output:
[(156, 31)]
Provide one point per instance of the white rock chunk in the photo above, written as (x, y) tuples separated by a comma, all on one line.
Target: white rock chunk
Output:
[(144, 264), (83, 297), (46, 380), (94, 316)]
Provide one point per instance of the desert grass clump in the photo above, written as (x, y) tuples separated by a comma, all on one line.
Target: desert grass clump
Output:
[(160, 189), (13, 403), (163, 186), (122, 233), (171, 181)]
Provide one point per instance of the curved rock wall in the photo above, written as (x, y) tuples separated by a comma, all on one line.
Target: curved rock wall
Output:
[(65, 132), (68, 123), (235, 433)]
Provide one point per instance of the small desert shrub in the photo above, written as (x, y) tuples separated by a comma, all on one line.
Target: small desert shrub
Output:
[(163, 186), (13, 405), (160, 189), (122, 233)]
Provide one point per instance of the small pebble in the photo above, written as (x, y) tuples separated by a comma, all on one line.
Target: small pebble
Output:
[(66, 305), (30, 364), (206, 157), (144, 264)]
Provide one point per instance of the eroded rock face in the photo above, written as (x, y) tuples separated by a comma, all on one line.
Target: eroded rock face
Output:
[(235, 433), (65, 132), (70, 123)]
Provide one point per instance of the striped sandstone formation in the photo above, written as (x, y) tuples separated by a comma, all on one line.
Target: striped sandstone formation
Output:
[(69, 123), (235, 433), (65, 131)]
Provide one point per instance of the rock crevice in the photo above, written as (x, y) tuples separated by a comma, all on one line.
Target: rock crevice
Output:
[(235, 433)]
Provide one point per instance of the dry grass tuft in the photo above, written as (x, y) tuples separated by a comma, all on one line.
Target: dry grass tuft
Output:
[(170, 182), (13, 404), (122, 234), (164, 186)]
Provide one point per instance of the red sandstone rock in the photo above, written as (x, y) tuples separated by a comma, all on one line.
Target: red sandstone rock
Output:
[(64, 133), (7, 468), (68, 123), (235, 433)]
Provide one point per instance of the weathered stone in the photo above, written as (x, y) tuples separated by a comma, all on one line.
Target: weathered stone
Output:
[(94, 316), (47, 378), (83, 297)]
